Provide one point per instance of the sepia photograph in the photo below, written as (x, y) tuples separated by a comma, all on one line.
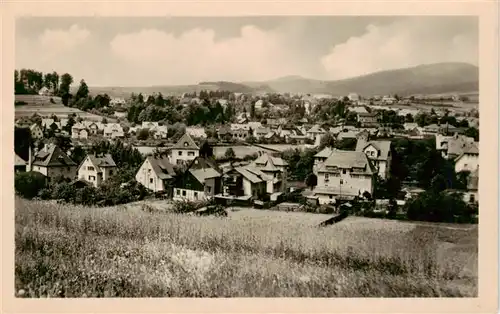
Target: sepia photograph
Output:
[(270, 156)]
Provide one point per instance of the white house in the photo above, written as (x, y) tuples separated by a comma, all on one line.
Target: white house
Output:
[(315, 132), (78, 130), (97, 169), (156, 173), (160, 132), (344, 174), (113, 130), (275, 170), (468, 160), (353, 97), (44, 91), (184, 150), (36, 131), (196, 132), (378, 152)]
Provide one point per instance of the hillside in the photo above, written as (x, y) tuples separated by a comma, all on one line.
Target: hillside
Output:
[(423, 79), (68, 251)]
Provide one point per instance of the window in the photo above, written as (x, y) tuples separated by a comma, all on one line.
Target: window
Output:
[(91, 178), (190, 153), (90, 168), (178, 192), (183, 193), (195, 194), (344, 171), (209, 189), (110, 172), (180, 153), (327, 177), (151, 180), (472, 199)]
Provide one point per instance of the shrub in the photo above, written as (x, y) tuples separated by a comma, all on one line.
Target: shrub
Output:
[(29, 184)]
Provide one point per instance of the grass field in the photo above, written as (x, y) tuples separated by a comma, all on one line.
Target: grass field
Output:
[(66, 251)]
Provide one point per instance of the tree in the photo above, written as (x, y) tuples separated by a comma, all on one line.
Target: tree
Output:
[(206, 150), (78, 154), (104, 120), (229, 154), (327, 140), (311, 180), (29, 184), (83, 91), (143, 134), (63, 142), (66, 81), (251, 139), (472, 132), (22, 142)]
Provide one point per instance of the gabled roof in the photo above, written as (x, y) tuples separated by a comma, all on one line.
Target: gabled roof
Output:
[(325, 153), (103, 161), (53, 156), (18, 161), (266, 159), (316, 129), (162, 167), (185, 142), (346, 160), (249, 175), (384, 147)]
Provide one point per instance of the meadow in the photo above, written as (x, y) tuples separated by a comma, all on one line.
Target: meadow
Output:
[(123, 251), (41, 105)]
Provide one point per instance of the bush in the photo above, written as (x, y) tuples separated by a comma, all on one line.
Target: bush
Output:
[(29, 184), (439, 207)]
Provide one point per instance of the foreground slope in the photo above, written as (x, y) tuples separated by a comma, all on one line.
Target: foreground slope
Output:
[(66, 251)]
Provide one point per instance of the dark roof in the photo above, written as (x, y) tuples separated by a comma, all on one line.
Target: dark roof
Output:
[(203, 168), (53, 156), (348, 159), (162, 167), (185, 142), (101, 161)]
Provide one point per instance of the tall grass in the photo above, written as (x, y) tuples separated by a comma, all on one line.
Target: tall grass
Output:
[(71, 251)]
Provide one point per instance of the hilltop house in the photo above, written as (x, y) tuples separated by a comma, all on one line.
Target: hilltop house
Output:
[(52, 162), (36, 131), (184, 150), (344, 174), (200, 181), (19, 164), (378, 152), (156, 174), (97, 169)]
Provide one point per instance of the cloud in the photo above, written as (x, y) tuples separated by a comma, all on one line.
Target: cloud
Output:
[(52, 49), (196, 55), (404, 43)]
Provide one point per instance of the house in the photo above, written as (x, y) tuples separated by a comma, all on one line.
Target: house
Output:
[(196, 132), (224, 131), (52, 162), (274, 169), (93, 127), (47, 124), (432, 129), (320, 158), (243, 183), (468, 160), (184, 150), (113, 130), (240, 134), (20, 164), (150, 125), (453, 146), (78, 130), (156, 174), (349, 134), (36, 131), (344, 174), (389, 100), (160, 132), (408, 126), (379, 154), (97, 169), (44, 91), (117, 102), (261, 132), (353, 97), (472, 193), (367, 119), (200, 181), (315, 131), (358, 109)]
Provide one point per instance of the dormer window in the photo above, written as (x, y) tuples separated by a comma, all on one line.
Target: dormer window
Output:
[(186, 144)]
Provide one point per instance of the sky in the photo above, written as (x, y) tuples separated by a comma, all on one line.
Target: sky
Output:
[(148, 51)]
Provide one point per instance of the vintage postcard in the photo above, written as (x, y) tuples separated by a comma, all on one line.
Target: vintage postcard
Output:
[(220, 157)]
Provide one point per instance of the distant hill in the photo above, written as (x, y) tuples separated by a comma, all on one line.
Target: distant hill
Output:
[(423, 79)]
